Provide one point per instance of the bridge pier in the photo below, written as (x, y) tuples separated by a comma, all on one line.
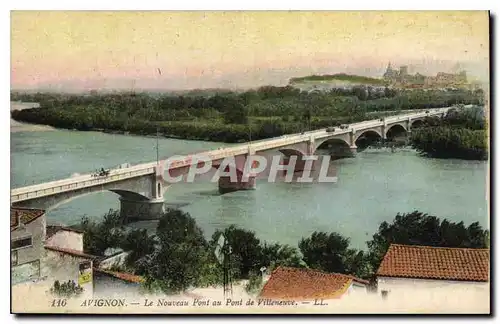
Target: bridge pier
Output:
[(226, 185), (300, 163), (135, 210)]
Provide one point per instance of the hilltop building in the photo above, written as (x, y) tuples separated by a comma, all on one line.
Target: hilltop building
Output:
[(401, 78)]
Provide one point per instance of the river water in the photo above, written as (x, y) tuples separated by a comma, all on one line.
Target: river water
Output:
[(372, 187)]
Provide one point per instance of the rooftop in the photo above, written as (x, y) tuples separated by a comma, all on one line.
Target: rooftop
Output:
[(425, 262), (121, 275), (26, 215), (305, 284), (74, 253), (53, 229)]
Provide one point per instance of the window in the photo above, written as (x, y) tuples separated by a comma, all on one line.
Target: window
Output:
[(384, 294), (159, 190), (21, 243)]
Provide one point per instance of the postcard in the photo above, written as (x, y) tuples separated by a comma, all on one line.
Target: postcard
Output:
[(250, 162)]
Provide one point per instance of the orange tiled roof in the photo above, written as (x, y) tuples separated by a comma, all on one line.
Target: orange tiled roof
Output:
[(72, 252), (27, 215), (122, 275), (304, 284), (425, 262)]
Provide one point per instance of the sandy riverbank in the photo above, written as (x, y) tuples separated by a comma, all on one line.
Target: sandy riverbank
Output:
[(16, 126)]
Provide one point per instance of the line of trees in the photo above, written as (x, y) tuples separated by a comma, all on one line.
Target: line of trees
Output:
[(179, 257), (460, 134), (227, 116)]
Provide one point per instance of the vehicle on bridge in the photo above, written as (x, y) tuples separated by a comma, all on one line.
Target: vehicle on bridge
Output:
[(101, 173), (344, 126), (330, 129)]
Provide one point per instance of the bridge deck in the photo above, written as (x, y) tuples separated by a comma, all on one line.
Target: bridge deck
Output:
[(87, 180)]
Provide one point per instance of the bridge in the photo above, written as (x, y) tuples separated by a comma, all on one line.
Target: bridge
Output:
[(141, 187)]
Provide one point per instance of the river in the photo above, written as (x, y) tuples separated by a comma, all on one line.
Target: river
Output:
[(372, 187)]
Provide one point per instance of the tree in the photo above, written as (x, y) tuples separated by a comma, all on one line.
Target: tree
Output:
[(235, 112), (326, 252), (275, 255), (98, 236), (140, 244), (246, 252), (417, 228), (177, 261)]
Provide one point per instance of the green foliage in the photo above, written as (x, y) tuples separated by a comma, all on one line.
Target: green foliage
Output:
[(461, 134), (339, 77), (249, 254), (67, 289), (98, 236), (246, 249), (139, 243), (417, 228), (275, 255), (255, 283), (223, 116), (176, 264), (330, 253)]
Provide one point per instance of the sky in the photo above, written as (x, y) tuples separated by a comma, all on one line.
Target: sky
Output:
[(83, 50)]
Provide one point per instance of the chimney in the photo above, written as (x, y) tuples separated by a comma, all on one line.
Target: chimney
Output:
[(18, 218)]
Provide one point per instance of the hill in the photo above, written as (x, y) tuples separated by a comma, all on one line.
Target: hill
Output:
[(338, 77)]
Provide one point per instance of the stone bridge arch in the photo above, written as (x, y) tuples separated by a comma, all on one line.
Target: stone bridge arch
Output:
[(370, 132), (337, 147), (365, 138), (139, 197), (417, 123), (288, 152), (395, 129)]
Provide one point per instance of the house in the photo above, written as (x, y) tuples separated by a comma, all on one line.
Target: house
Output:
[(287, 283), (109, 283), (411, 268), (45, 253), (69, 265), (113, 258), (27, 237), (64, 237)]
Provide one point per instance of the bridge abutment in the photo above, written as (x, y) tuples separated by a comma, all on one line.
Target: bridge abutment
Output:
[(136, 210)]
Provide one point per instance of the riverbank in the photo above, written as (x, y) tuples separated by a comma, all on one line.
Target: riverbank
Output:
[(228, 117), (459, 135), (17, 126)]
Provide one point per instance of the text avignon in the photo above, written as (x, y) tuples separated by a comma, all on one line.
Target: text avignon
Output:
[(103, 302)]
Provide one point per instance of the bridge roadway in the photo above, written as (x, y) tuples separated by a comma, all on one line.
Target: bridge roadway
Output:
[(116, 175)]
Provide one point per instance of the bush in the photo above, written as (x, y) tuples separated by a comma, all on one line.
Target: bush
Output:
[(67, 289), (254, 284)]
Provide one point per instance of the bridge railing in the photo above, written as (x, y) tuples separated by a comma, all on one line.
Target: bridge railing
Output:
[(79, 182)]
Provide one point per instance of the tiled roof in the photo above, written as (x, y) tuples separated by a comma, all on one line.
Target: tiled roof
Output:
[(27, 215), (122, 275), (305, 284), (72, 252), (53, 229), (425, 262)]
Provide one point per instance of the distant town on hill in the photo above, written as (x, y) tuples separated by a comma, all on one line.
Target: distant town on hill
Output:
[(395, 78)]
